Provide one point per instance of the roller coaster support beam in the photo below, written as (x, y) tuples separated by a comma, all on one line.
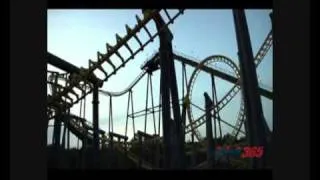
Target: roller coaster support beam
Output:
[(57, 122), (140, 151), (95, 105), (210, 141), (70, 68), (57, 130), (173, 157), (263, 92), (119, 137), (252, 100)]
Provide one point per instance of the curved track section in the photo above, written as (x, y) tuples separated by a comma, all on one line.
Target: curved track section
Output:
[(267, 43), (195, 123), (109, 93), (120, 93), (225, 100)]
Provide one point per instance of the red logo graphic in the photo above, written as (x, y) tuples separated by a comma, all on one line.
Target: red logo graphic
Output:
[(252, 152), (245, 152)]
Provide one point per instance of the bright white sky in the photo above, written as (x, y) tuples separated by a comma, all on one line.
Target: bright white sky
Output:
[(77, 35)]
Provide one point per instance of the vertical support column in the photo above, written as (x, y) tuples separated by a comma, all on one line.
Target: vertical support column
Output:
[(160, 107), (250, 86), (165, 96), (68, 140), (169, 85), (210, 141), (140, 150), (214, 99), (84, 149), (111, 141), (127, 118), (132, 112), (165, 103), (68, 131), (57, 130), (146, 109), (216, 113), (95, 105), (64, 134), (152, 104), (56, 139), (125, 145), (110, 115), (184, 105), (47, 127), (157, 153), (193, 150), (180, 163)]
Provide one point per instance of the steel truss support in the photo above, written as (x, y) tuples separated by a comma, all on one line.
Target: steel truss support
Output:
[(57, 130), (152, 104), (130, 103), (149, 84), (146, 115), (184, 84), (256, 126), (110, 116), (174, 157), (216, 115), (95, 110), (210, 141)]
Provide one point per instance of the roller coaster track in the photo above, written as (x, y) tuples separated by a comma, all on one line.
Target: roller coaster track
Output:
[(82, 132), (195, 123), (240, 120), (267, 43), (225, 100), (220, 105), (219, 72), (135, 159), (108, 93), (62, 77), (83, 129), (80, 128), (85, 74), (198, 122)]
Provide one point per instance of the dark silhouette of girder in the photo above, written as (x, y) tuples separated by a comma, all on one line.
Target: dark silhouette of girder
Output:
[(168, 86), (255, 120), (264, 92), (70, 68)]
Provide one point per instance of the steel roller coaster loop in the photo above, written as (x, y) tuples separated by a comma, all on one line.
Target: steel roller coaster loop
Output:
[(226, 99), (195, 123)]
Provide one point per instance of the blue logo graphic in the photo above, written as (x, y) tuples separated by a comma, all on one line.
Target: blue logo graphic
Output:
[(227, 152)]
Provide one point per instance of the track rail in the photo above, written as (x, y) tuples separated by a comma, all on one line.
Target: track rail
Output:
[(81, 81), (195, 123), (222, 103), (111, 50)]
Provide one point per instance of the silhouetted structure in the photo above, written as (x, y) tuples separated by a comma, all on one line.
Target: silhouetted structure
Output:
[(99, 150)]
